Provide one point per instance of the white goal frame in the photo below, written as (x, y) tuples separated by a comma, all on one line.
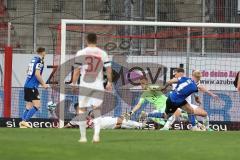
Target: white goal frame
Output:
[(65, 22)]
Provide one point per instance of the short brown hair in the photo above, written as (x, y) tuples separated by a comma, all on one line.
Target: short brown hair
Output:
[(92, 38), (40, 50), (179, 70)]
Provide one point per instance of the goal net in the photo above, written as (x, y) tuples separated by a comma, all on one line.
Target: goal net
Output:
[(154, 49)]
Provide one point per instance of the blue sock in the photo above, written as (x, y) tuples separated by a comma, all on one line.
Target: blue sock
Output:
[(155, 115), (31, 112), (24, 114), (191, 119)]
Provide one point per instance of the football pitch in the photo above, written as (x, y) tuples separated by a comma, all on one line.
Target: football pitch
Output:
[(61, 144)]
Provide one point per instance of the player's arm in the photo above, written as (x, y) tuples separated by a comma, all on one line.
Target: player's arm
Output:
[(77, 68), (109, 77), (170, 82), (76, 74), (238, 83), (136, 108), (197, 98), (39, 77), (204, 89), (107, 65), (138, 105)]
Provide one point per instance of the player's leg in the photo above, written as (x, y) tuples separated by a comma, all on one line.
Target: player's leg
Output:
[(35, 107), (23, 123), (171, 109), (199, 111), (155, 115), (28, 107), (32, 98), (35, 104), (191, 115), (97, 123), (74, 121), (172, 119), (81, 117)]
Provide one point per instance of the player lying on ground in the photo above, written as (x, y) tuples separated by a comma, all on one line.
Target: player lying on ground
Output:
[(31, 94), (107, 122), (90, 62), (198, 110)]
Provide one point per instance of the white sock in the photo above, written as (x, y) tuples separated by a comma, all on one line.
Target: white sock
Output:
[(82, 127), (97, 122), (81, 120), (170, 121), (206, 121), (130, 124), (97, 126)]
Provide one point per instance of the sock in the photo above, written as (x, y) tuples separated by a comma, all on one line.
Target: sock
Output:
[(130, 124), (97, 125), (170, 121), (97, 122), (24, 114), (184, 115), (191, 119), (206, 121), (82, 127), (81, 118), (30, 113), (155, 115)]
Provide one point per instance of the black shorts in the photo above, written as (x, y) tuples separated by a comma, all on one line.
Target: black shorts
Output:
[(31, 94), (171, 107)]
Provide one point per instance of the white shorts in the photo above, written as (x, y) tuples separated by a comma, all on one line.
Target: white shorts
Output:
[(90, 97), (84, 101)]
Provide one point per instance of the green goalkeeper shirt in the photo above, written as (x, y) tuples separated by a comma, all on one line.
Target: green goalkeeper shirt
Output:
[(156, 98)]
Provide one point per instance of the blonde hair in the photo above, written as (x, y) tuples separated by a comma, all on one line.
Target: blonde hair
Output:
[(197, 74)]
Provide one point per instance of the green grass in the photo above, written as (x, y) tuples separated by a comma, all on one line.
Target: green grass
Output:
[(61, 144)]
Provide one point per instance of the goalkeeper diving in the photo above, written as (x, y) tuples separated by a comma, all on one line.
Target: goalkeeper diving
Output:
[(153, 95)]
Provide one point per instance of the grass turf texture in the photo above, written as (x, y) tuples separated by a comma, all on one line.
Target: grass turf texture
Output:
[(61, 144)]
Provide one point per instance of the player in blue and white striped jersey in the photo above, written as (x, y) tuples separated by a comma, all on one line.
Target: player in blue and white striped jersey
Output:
[(33, 80)]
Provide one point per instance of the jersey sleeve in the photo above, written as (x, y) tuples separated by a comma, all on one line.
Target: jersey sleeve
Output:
[(39, 64), (106, 61), (78, 60)]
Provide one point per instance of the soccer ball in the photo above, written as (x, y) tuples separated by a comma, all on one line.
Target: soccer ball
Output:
[(51, 106)]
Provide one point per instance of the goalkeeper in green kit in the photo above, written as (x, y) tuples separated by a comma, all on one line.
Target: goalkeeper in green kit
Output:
[(154, 96)]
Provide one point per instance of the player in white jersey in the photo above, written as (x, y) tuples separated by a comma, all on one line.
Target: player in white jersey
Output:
[(89, 62), (179, 72), (107, 122)]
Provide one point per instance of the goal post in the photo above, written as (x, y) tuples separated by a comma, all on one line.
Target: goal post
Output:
[(190, 62)]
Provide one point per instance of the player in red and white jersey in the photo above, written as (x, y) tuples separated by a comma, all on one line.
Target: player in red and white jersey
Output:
[(89, 62)]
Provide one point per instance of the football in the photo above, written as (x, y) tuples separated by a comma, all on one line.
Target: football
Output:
[(51, 106)]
